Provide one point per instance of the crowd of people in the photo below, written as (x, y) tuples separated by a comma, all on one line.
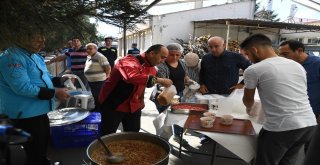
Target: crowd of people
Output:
[(287, 83)]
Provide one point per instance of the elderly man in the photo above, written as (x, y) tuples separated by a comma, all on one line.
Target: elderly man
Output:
[(97, 70), (219, 73), (27, 94), (122, 96), (282, 87)]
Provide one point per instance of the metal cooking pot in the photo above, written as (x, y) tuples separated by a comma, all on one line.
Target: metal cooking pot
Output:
[(132, 136)]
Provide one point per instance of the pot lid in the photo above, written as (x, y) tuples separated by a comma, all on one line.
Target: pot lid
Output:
[(66, 116)]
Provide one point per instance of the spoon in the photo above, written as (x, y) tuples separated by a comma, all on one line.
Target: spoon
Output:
[(111, 158)]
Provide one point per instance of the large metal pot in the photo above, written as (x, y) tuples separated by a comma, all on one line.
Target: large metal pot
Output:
[(132, 136)]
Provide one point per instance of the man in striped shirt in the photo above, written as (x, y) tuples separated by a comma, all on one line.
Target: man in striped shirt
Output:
[(97, 70), (78, 56)]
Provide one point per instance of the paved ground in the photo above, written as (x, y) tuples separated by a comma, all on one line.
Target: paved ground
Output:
[(77, 156)]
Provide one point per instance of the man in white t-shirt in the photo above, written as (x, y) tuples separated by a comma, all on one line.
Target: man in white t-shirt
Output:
[(97, 70), (282, 87)]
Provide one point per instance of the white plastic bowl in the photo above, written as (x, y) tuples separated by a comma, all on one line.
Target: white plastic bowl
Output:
[(207, 122), (209, 114), (226, 119)]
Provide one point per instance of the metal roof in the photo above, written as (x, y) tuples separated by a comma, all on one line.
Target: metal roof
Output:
[(263, 24)]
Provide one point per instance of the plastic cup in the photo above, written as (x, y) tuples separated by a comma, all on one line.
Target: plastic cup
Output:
[(207, 122)]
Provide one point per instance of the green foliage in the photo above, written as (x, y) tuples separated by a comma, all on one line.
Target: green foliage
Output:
[(265, 14), (195, 44), (269, 15), (257, 6), (61, 20)]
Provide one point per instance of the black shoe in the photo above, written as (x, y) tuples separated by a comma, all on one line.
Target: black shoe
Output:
[(205, 139)]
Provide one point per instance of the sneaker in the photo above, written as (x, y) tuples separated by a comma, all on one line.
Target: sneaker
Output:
[(177, 139), (205, 139)]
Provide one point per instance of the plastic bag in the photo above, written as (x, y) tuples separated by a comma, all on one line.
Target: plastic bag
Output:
[(167, 95), (232, 104), (155, 93)]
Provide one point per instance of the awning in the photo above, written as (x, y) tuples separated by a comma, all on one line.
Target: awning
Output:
[(263, 24)]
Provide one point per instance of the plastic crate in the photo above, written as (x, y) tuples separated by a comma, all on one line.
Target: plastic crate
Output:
[(79, 134)]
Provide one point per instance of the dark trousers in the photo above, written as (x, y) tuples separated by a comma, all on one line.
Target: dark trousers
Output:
[(36, 147), (281, 148), (95, 90), (110, 120), (83, 78), (306, 146), (313, 157)]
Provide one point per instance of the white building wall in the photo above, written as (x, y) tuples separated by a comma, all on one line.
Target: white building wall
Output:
[(143, 38), (168, 27), (304, 37), (164, 29)]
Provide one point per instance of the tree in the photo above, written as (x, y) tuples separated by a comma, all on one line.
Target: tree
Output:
[(265, 14), (60, 19)]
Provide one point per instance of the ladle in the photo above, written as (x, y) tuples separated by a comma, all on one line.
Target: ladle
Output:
[(111, 158)]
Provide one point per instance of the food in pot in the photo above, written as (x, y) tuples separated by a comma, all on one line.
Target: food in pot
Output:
[(136, 152), (207, 122), (226, 119)]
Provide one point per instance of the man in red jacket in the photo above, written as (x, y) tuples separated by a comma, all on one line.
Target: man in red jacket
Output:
[(122, 96)]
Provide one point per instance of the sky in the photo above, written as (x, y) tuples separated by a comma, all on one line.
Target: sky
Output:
[(277, 6)]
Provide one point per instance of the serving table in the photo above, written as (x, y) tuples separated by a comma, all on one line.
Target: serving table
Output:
[(242, 145)]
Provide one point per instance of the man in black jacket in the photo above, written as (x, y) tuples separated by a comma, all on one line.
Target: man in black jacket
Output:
[(108, 51)]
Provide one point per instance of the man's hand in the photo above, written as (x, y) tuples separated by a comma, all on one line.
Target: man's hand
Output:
[(254, 109), (61, 94), (238, 86), (48, 62), (190, 82), (164, 82), (203, 89), (68, 71)]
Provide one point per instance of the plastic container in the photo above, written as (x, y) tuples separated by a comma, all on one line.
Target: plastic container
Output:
[(225, 106), (226, 119), (209, 114), (79, 134), (207, 122), (175, 99)]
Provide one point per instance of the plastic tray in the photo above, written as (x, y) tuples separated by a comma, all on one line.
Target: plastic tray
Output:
[(185, 108), (239, 126)]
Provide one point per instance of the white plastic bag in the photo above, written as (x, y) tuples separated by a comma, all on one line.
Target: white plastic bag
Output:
[(166, 95), (232, 104)]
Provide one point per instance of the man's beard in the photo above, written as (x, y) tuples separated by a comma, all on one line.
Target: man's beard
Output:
[(255, 57)]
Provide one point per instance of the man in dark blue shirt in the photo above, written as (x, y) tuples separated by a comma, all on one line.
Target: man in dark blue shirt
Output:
[(134, 50), (219, 72)]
